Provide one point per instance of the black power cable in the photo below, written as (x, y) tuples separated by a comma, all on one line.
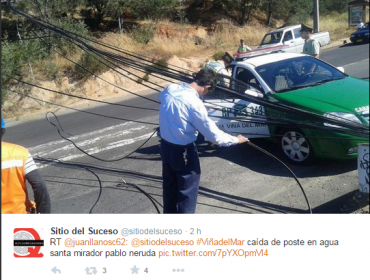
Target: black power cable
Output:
[(105, 170), (153, 201), (84, 167), (96, 76), (287, 167), (290, 124), (100, 189), (82, 111), (80, 97)]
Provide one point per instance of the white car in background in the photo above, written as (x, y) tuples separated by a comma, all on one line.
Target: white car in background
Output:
[(291, 38)]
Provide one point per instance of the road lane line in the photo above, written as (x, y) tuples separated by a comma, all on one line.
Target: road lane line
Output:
[(94, 151), (83, 143), (354, 63), (43, 146)]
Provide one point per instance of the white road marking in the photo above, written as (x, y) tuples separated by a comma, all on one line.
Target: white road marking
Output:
[(354, 63), (83, 143), (94, 151), (44, 146), (103, 140)]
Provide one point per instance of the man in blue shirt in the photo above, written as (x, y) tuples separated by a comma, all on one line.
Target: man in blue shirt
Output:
[(182, 115)]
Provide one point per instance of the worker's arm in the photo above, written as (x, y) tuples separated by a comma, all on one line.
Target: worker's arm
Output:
[(209, 129), (225, 80), (38, 185), (316, 48)]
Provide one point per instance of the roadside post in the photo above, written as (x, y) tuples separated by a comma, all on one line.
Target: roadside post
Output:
[(363, 167)]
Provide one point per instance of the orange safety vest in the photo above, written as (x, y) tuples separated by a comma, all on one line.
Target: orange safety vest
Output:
[(14, 195)]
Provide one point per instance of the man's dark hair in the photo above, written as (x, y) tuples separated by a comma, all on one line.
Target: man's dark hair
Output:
[(206, 77)]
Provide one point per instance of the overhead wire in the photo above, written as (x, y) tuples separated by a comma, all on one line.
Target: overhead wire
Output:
[(54, 28), (80, 97), (83, 111), (100, 78), (289, 123), (282, 107)]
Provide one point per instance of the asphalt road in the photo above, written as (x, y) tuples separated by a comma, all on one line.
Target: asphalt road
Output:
[(234, 180)]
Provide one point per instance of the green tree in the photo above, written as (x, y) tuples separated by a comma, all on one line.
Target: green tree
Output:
[(149, 9), (242, 9), (336, 6), (101, 9), (276, 9), (49, 9), (300, 11)]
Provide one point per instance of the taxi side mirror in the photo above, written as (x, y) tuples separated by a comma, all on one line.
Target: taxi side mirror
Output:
[(254, 93)]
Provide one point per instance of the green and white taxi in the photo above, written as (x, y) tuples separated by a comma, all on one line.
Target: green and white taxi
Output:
[(301, 82)]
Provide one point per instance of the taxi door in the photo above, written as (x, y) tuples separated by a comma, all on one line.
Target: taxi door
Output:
[(223, 109)]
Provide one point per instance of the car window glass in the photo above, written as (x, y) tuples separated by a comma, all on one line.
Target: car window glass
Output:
[(272, 38), (288, 36), (297, 33), (248, 78), (298, 72)]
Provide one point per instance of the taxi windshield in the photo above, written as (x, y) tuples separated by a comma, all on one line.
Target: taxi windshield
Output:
[(299, 72)]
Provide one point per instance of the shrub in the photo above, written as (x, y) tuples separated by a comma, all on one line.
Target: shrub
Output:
[(162, 63), (143, 79), (17, 56), (218, 55), (143, 34), (146, 78), (11, 63), (91, 63)]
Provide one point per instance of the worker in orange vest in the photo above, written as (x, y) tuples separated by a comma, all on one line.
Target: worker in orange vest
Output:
[(17, 166)]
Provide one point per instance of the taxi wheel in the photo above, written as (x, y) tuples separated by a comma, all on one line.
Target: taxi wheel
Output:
[(296, 147)]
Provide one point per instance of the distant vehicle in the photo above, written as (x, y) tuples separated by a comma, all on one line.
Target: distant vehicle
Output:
[(361, 36), (286, 79), (291, 37)]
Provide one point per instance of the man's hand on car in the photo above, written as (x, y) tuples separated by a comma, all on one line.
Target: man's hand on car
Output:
[(242, 139)]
